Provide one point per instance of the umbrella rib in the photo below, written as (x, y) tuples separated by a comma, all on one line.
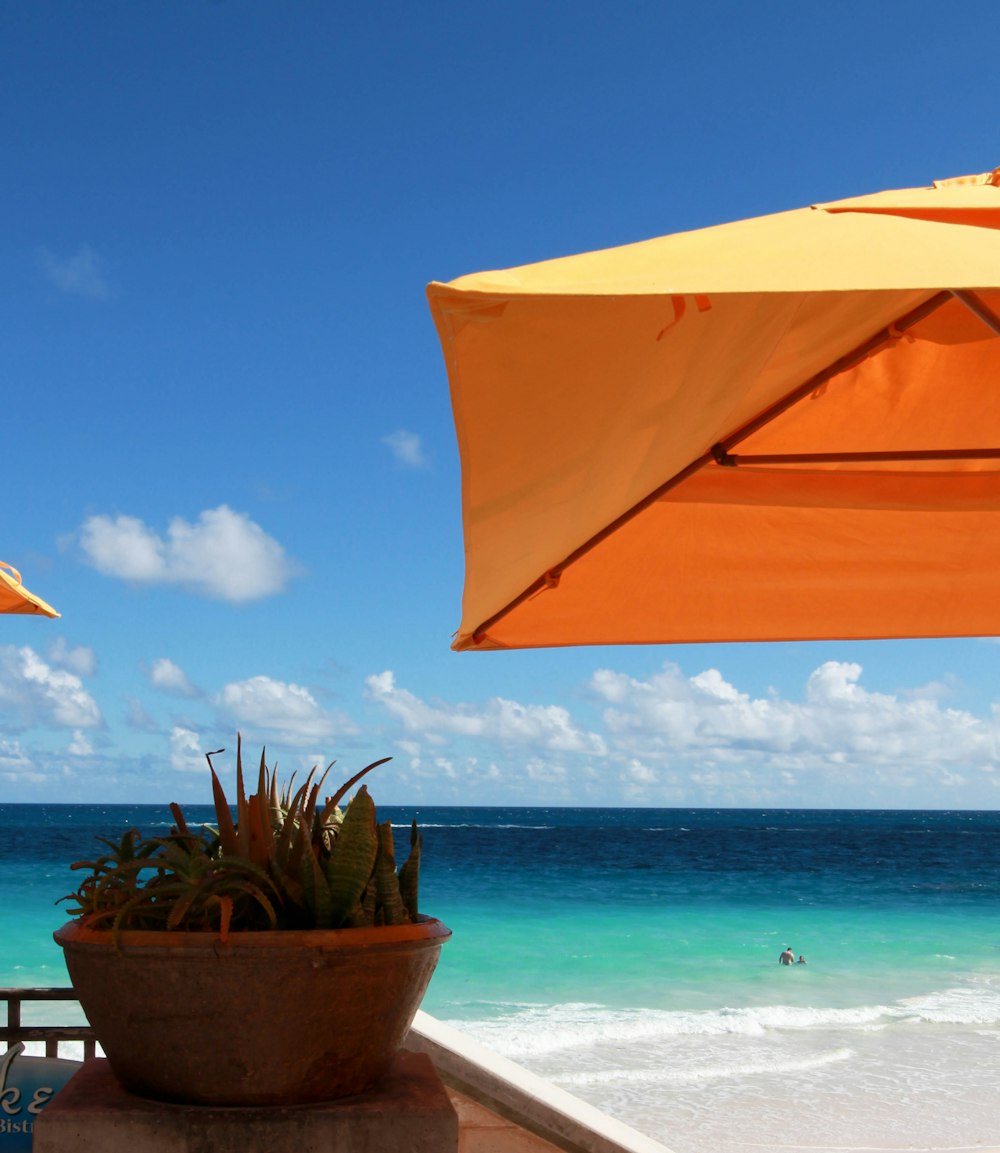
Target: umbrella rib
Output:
[(890, 332), (976, 306), (914, 454), (720, 453), (550, 578), (723, 456)]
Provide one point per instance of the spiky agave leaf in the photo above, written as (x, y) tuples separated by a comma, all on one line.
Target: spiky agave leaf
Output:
[(261, 841), (409, 873), (241, 800), (274, 801), (286, 861), (386, 882), (365, 910), (338, 796), (350, 863), (223, 814)]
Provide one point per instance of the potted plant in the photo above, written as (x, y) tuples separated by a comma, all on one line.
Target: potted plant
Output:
[(277, 958)]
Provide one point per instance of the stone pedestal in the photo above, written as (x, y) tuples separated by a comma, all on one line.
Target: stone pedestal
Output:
[(408, 1112)]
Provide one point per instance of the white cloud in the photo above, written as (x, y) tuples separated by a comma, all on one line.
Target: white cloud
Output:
[(36, 693), (506, 722), (288, 710), (446, 767), (78, 275), (223, 555), (677, 739), (187, 755), (80, 660), (80, 746), (16, 765), (124, 547), (933, 690), (542, 771), (637, 773), (459, 774), (738, 748), (669, 738), (406, 448), (170, 678), (672, 712)]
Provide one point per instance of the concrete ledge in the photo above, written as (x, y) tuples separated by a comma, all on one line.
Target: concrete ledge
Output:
[(527, 1101), (409, 1112)]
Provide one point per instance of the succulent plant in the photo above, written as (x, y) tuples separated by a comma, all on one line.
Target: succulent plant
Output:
[(285, 862)]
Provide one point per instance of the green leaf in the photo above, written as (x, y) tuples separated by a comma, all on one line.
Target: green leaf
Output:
[(350, 863), (386, 881), (409, 873)]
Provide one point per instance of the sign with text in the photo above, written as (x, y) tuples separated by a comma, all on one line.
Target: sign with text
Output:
[(27, 1084)]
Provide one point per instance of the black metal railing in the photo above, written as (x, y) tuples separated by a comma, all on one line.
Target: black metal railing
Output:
[(50, 1035)]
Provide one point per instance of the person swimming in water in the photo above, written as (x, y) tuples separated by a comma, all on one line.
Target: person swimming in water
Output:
[(801, 960), (787, 957)]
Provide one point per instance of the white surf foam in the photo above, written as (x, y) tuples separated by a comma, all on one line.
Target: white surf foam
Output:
[(666, 1075), (524, 1030)]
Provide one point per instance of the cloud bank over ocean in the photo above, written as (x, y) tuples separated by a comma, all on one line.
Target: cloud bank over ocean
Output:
[(671, 739)]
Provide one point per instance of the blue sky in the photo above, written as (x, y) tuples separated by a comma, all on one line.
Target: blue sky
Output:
[(228, 449)]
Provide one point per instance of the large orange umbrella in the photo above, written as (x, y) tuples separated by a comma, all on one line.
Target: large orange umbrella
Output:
[(15, 598), (782, 428)]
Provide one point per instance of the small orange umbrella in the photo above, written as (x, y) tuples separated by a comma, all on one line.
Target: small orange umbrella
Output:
[(15, 598), (782, 428)]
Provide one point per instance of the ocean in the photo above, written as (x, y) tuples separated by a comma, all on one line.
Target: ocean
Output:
[(631, 957)]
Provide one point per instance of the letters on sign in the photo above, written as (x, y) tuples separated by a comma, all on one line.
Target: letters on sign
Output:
[(27, 1084)]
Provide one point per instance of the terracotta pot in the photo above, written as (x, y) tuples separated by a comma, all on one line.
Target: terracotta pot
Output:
[(279, 1018)]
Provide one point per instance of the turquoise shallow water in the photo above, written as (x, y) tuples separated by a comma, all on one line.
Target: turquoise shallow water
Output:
[(631, 956)]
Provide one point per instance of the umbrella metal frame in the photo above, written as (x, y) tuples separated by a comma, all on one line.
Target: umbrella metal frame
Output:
[(721, 454)]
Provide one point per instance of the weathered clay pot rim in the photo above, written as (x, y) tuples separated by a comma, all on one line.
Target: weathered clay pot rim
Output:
[(426, 930), (185, 1017)]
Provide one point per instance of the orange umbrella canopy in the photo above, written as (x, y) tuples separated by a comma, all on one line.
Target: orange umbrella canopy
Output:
[(15, 598), (782, 428)]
